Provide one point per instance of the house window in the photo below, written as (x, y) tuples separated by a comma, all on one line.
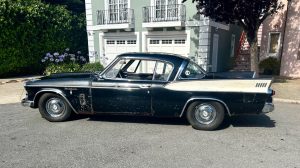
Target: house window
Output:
[(110, 42), (166, 41), (179, 41), (131, 41), (154, 41), (166, 9), (274, 43), (117, 10), (120, 41)]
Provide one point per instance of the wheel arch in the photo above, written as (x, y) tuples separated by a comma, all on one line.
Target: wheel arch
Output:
[(50, 90), (193, 99)]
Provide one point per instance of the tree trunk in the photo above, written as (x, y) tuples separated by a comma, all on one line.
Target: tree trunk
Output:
[(254, 56), (252, 40)]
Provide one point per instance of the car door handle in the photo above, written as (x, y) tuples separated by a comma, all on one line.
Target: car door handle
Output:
[(145, 86)]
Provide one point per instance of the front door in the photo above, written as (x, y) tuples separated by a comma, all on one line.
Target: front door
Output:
[(121, 96), (124, 88)]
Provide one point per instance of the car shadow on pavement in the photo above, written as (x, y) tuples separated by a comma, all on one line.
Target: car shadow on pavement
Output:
[(249, 121), (139, 119)]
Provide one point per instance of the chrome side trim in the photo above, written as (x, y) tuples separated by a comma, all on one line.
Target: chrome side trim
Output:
[(57, 86), (57, 91), (204, 98)]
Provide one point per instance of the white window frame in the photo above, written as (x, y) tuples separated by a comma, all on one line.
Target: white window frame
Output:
[(278, 43), (153, 3), (106, 4)]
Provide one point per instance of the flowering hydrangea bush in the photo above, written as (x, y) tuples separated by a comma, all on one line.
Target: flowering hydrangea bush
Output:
[(67, 62), (66, 57), (63, 62)]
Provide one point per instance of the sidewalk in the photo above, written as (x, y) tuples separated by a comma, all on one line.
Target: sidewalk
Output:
[(12, 90), (288, 91)]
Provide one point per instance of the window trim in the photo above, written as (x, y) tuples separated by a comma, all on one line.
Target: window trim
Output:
[(133, 80), (185, 66), (269, 43)]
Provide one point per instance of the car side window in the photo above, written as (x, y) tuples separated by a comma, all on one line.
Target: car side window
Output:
[(115, 71), (192, 71), (162, 71)]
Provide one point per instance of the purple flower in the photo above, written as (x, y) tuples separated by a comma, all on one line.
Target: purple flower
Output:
[(48, 54), (78, 52), (43, 60), (61, 60), (56, 54), (67, 49), (51, 59), (66, 54), (46, 58), (72, 55), (56, 60), (72, 59)]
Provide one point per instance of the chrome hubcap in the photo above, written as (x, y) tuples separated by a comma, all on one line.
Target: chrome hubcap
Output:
[(55, 107), (205, 113)]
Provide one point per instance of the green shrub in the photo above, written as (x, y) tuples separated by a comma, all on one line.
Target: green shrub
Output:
[(92, 67), (30, 28), (270, 66), (62, 68)]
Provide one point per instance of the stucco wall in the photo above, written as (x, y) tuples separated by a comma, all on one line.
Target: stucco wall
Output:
[(290, 65), (273, 23)]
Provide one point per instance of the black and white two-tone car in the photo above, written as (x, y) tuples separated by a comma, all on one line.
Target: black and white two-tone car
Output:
[(151, 84)]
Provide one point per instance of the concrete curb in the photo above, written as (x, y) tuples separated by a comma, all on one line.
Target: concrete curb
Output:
[(286, 100)]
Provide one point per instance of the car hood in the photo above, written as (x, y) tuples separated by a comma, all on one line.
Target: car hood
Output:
[(62, 80)]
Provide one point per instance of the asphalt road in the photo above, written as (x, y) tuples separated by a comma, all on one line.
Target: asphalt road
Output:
[(27, 140)]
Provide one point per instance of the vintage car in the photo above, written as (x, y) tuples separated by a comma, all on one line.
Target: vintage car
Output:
[(151, 84)]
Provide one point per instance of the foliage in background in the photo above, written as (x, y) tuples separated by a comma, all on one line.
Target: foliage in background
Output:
[(31, 28), (249, 14), (92, 67), (270, 66), (76, 6), (61, 68)]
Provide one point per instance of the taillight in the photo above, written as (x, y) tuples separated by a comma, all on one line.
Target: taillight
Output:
[(273, 92)]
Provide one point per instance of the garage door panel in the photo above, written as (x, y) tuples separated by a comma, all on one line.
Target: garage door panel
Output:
[(116, 46), (175, 45)]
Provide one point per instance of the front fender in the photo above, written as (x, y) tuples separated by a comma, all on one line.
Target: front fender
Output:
[(55, 91)]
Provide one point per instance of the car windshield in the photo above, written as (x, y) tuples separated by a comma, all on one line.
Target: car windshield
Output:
[(193, 71)]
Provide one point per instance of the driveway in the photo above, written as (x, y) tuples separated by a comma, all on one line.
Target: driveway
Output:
[(27, 140)]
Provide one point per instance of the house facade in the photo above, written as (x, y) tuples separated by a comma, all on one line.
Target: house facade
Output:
[(169, 26), (280, 38)]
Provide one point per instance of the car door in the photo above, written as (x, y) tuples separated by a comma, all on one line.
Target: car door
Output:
[(124, 88)]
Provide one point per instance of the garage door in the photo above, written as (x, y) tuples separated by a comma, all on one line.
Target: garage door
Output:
[(116, 46), (172, 45)]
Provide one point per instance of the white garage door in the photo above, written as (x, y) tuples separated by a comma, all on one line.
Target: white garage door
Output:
[(172, 45), (116, 46)]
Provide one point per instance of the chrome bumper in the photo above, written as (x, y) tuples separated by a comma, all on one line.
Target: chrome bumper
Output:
[(269, 107), (27, 103)]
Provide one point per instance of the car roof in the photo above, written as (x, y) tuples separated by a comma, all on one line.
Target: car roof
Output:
[(160, 56)]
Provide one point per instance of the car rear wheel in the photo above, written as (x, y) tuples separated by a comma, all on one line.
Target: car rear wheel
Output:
[(205, 115), (54, 108)]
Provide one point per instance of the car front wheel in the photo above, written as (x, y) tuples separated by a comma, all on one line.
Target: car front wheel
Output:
[(54, 108), (205, 115)]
